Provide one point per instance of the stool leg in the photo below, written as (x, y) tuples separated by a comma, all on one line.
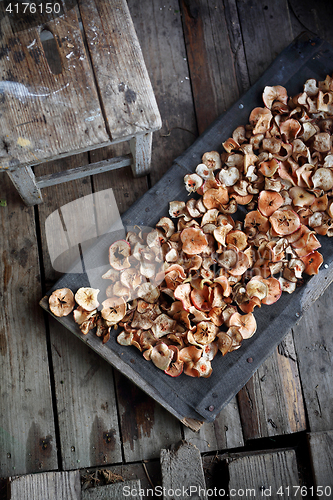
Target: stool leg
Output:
[(25, 182), (141, 151)]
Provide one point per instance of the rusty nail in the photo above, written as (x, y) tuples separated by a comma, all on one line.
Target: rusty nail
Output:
[(211, 408), (249, 360)]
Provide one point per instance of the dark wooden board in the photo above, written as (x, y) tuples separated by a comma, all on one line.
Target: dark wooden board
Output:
[(314, 345), (27, 431), (84, 388), (321, 452), (269, 475), (298, 62)]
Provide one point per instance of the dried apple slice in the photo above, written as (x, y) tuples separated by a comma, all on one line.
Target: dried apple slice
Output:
[(205, 332), (237, 238), (61, 302), (257, 221), (273, 292), (286, 285), (268, 168), (192, 182), (323, 179), (200, 299), (161, 356), (215, 198), (285, 222), (194, 240), (275, 93), (87, 298), (229, 176), (163, 325), (114, 309), (246, 323), (312, 262), (268, 202), (301, 197), (212, 159), (261, 119), (203, 367), (176, 209), (119, 252), (148, 292), (224, 342), (256, 288), (182, 293)]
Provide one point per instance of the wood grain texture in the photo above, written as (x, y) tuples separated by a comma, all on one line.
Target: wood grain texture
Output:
[(47, 486), (321, 451), (224, 433), (27, 434), (44, 114), (114, 491), (211, 60), (159, 28), (146, 427), (264, 474), (182, 469), (123, 82), (271, 402), (86, 404), (314, 346), (266, 32)]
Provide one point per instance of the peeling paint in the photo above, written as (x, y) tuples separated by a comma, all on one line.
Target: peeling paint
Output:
[(24, 143)]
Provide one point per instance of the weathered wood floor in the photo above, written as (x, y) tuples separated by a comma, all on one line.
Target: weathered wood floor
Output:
[(62, 407)]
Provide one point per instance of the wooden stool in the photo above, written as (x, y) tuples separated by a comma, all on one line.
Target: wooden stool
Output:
[(101, 94)]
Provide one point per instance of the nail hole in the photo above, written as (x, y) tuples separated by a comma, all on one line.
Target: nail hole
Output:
[(51, 51)]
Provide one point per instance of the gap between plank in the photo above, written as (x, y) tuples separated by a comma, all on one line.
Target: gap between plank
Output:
[(48, 341)]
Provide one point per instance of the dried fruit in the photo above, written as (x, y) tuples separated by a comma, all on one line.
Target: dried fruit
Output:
[(178, 290), (61, 302)]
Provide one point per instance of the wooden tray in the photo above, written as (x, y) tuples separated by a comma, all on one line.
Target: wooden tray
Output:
[(193, 400)]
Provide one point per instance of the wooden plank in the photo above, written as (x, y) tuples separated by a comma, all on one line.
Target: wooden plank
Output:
[(224, 433), (146, 427), (314, 347), (86, 404), (27, 434), (124, 87), (46, 486), (25, 183), (321, 451), (117, 491), (44, 114), (182, 471), (266, 30), (141, 146), (211, 60), (264, 475), (84, 171), (271, 402), (159, 30)]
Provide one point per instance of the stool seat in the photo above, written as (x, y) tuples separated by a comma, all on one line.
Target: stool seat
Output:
[(101, 95)]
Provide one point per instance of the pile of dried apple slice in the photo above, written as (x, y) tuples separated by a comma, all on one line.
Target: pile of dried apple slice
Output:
[(188, 289)]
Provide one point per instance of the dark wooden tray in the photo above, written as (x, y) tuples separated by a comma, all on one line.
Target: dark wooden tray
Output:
[(195, 400)]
